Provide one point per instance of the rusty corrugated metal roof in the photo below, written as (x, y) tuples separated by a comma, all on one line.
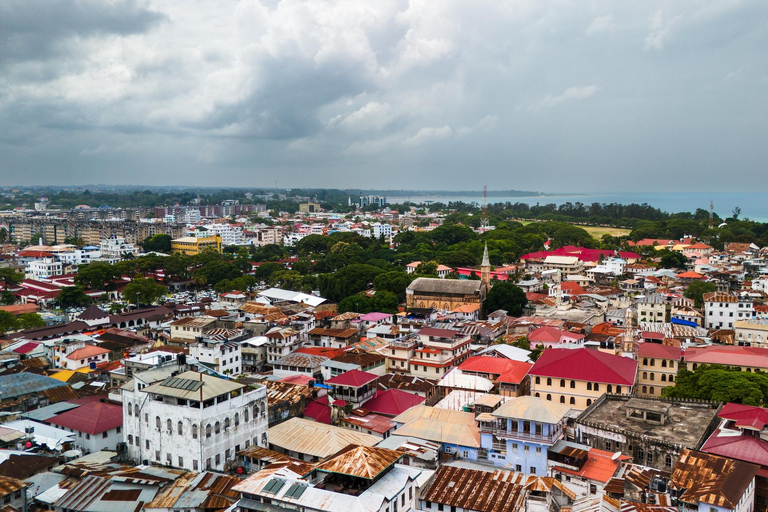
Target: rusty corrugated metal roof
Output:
[(360, 461), (483, 491), (712, 479)]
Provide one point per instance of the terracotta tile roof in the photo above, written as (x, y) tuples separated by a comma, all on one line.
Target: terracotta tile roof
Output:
[(87, 351)]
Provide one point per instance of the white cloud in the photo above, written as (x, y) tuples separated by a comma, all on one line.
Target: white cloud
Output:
[(600, 25), (571, 93), (429, 133), (660, 30)]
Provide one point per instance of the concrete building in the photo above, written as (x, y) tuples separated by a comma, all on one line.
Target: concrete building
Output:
[(651, 308), (192, 420), (519, 433), (657, 368), (97, 425), (721, 310), (191, 245), (654, 432), (225, 356), (753, 333)]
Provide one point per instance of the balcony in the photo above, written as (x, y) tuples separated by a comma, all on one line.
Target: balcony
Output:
[(522, 436), (403, 344)]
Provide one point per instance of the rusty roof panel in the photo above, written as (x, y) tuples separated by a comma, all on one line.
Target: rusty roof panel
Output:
[(712, 479), (470, 489), (360, 461)]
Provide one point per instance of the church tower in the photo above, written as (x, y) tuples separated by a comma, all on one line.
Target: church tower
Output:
[(485, 270)]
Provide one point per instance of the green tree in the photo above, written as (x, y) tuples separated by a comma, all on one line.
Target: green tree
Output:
[(672, 259), (3, 235), (8, 322), (347, 281), (395, 282), (720, 384), (696, 291), (97, 275), (10, 276), (30, 321), (506, 296), (8, 298), (157, 243), (427, 268), (143, 291), (72, 297)]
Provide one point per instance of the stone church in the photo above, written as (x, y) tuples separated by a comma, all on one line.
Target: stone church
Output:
[(447, 294)]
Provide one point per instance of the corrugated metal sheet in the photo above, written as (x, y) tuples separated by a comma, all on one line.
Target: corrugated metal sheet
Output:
[(360, 461), (483, 491), (315, 439), (712, 479)]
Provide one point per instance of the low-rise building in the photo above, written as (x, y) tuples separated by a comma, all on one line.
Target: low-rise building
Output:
[(657, 367), (721, 310), (472, 490), (97, 425), (191, 245)]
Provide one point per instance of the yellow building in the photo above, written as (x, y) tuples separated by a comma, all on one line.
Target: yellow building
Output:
[(578, 377), (191, 245), (657, 368)]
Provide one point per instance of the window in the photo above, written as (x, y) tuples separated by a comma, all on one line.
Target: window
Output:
[(157, 423), (645, 389), (663, 378), (645, 361), (208, 430), (146, 418), (169, 426), (245, 415), (668, 461), (181, 461), (130, 439), (651, 390), (136, 410), (549, 381), (256, 411), (610, 388), (104, 435), (618, 390), (538, 380), (589, 402), (168, 458), (218, 459), (264, 439), (573, 384), (180, 428), (549, 397), (589, 386), (596, 386), (653, 376), (130, 409), (562, 399), (194, 464), (217, 430), (562, 383), (533, 470), (146, 444), (538, 395), (573, 401), (194, 431), (645, 375), (663, 363)]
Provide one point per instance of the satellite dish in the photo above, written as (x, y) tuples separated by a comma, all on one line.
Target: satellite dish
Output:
[(616, 456)]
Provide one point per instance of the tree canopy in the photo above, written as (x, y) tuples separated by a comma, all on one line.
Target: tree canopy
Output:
[(720, 384), (506, 296)]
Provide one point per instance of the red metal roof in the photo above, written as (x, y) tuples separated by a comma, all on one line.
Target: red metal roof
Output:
[(506, 370), (26, 348), (586, 365), (392, 402), (87, 351), (91, 417), (548, 334), (439, 333), (600, 466), (659, 351), (352, 378), (745, 416), (728, 355), (582, 253), (318, 411), (747, 448)]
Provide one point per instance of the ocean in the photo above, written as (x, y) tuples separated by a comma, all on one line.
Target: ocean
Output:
[(754, 205)]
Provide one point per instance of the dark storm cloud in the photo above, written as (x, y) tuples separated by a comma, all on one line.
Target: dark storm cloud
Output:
[(560, 96)]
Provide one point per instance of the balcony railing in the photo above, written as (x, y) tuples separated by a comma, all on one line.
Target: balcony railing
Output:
[(522, 436)]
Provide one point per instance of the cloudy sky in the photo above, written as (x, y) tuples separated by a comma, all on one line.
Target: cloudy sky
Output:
[(559, 96)]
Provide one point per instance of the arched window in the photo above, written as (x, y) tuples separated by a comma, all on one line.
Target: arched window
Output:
[(538, 380), (169, 425), (645, 361), (653, 376), (237, 419), (618, 390), (589, 402), (208, 430), (663, 378), (180, 428), (562, 399), (217, 428), (573, 401), (562, 383), (610, 388), (663, 363), (671, 378), (136, 410), (226, 423), (645, 389), (651, 390), (549, 381), (130, 439), (549, 397), (264, 439), (668, 461), (255, 411), (645, 375), (130, 409), (538, 395), (589, 386), (573, 384), (245, 415), (157, 422), (597, 386), (194, 431)]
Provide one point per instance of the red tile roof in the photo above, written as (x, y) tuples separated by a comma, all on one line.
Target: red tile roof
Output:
[(586, 365), (747, 448), (91, 417), (659, 351), (352, 378), (392, 402), (690, 275), (582, 253)]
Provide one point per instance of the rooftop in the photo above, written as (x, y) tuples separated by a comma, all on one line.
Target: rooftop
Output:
[(712, 479), (316, 439), (360, 461), (532, 409), (471, 489), (686, 424), (193, 386), (585, 365)]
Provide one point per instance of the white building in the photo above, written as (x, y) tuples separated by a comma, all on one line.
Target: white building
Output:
[(81, 256), (230, 235), (378, 230), (192, 420), (96, 425), (225, 356), (117, 248), (85, 357), (721, 310), (43, 268)]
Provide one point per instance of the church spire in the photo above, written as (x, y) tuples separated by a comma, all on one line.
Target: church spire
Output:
[(485, 269)]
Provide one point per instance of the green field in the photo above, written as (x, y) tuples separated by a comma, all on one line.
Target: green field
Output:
[(599, 231)]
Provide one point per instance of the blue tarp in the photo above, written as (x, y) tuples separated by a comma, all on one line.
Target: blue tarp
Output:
[(679, 321)]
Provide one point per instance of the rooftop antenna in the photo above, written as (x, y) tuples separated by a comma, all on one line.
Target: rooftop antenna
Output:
[(711, 214), (484, 218)]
